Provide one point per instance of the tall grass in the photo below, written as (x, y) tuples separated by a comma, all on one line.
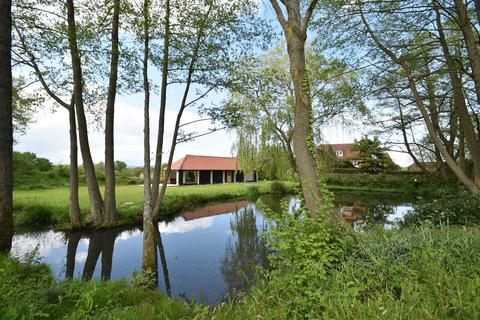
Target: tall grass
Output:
[(28, 291), (400, 274)]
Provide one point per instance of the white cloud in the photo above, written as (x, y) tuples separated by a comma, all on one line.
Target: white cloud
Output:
[(48, 136), (179, 225)]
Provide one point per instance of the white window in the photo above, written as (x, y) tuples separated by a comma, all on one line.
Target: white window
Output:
[(339, 153)]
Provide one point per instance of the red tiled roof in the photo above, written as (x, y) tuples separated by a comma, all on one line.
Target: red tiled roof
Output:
[(214, 210), (345, 147), (191, 162)]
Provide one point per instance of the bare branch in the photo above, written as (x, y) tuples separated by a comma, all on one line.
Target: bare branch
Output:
[(308, 15), (280, 16)]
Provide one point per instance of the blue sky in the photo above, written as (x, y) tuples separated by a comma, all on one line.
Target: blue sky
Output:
[(48, 136)]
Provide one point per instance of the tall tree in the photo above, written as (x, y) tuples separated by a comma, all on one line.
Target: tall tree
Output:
[(6, 127), (406, 67), (110, 199), (201, 59), (163, 103), (31, 61), (96, 202), (295, 27), (149, 257)]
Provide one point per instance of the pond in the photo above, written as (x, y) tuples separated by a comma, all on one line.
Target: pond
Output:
[(206, 254)]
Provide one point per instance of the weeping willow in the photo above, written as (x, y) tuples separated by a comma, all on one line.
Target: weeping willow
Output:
[(259, 149)]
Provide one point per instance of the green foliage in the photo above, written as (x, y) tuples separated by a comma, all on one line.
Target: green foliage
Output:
[(278, 188), (24, 105), (29, 292), (32, 172), (50, 206), (408, 183), (304, 249), (120, 165), (415, 273), (446, 208), (371, 156)]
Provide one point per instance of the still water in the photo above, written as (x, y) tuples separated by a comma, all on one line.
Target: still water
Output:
[(207, 254)]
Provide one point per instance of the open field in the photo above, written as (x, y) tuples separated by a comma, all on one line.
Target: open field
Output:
[(50, 206)]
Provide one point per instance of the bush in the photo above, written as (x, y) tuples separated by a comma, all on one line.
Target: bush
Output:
[(29, 292), (454, 208), (417, 273), (278, 188)]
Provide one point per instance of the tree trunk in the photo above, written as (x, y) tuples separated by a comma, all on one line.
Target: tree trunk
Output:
[(302, 131), (6, 127), (158, 202), (163, 103), (472, 46), (74, 210), (295, 31), (149, 258), (111, 215), (466, 127), (96, 203), (423, 110), (405, 139)]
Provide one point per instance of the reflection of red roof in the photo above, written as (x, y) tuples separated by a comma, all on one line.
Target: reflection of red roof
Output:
[(345, 147), (190, 162), (214, 210)]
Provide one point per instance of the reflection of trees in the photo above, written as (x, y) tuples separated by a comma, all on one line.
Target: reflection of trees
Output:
[(73, 238), (100, 241), (246, 254), (163, 261)]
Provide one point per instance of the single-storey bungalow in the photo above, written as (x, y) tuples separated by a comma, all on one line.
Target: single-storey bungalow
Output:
[(192, 169)]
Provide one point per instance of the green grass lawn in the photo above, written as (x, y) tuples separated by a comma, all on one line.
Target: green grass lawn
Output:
[(50, 206)]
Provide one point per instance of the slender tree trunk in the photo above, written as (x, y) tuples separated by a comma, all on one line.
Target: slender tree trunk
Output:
[(158, 202), (74, 210), (302, 132), (111, 216), (96, 203), (470, 42), (163, 103), (423, 110), (149, 258), (6, 127), (295, 31), (466, 127), (405, 140)]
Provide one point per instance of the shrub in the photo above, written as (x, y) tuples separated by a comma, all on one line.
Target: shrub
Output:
[(278, 188), (417, 273), (29, 292), (454, 208)]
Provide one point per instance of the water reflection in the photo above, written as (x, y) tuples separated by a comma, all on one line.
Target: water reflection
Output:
[(245, 253), (163, 261), (203, 254), (99, 243)]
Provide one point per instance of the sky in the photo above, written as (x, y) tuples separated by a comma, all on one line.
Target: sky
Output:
[(48, 135)]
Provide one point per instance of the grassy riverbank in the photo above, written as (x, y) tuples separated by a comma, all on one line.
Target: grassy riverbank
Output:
[(50, 206), (412, 273)]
